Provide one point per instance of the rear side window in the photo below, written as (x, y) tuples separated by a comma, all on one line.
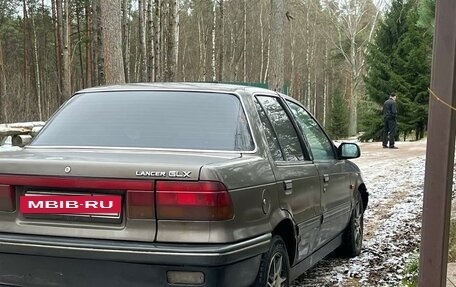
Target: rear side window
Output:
[(271, 137), (286, 133), (151, 119)]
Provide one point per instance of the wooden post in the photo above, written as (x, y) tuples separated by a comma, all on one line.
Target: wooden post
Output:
[(440, 150)]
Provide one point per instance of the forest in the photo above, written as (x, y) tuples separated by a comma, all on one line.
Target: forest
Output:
[(340, 58)]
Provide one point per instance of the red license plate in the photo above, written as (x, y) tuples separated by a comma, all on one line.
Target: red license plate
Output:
[(110, 205)]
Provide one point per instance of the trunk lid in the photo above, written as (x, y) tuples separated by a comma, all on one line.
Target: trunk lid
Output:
[(129, 174)]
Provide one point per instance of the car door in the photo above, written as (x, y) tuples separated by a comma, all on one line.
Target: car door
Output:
[(335, 182), (296, 175)]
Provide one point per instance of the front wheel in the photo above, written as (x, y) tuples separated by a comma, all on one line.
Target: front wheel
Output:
[(275, 266), (352, 239)]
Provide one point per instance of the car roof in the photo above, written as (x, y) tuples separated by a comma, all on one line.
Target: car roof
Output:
[(186, 86)]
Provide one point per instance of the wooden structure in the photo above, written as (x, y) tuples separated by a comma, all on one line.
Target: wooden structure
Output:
[(440, 150), (25, 128)]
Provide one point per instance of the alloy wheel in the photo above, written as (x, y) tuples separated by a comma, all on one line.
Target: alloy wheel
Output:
[(276, 273), (358, 224)]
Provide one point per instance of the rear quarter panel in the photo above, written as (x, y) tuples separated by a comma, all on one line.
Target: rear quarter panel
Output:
[(252, 188)]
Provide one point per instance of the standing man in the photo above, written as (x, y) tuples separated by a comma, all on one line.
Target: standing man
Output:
[(389, 119)]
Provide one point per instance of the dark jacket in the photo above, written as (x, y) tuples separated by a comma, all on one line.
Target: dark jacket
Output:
[(390, 109)]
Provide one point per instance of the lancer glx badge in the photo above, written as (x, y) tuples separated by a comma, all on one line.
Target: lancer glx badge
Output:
[(172, 173)]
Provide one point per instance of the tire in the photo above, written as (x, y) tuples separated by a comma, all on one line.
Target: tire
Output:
[(352, 238), (275, 266)]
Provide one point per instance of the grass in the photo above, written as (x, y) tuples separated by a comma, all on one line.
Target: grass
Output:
[(412, 267), (452, 242)]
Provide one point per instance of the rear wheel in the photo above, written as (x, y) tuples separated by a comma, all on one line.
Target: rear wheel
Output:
[(352, 239), (275, 266)]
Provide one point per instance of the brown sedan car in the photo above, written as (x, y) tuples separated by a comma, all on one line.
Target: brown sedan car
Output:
[(217, 185)]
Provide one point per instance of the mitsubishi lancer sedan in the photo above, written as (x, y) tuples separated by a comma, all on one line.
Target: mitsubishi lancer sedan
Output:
[(177, 184)]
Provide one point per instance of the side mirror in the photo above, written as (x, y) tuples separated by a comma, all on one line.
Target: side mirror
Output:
[(348, 151), (21, 140)]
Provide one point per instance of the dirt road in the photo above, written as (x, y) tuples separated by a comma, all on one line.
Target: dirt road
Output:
[(394, 179)]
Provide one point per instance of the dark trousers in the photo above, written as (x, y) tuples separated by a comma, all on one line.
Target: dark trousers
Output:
[(389, 132)]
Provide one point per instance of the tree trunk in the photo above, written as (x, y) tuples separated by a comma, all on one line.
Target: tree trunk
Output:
[(56, 6), (150, 42), (172, 41), (3, 90), (81, 62), (262, 42), (37, 66), (98, 45), (66, 82), (292, 57), (244, 49), (142, 42), (26, 69), (268, 57), (276, 75), (182, 61), (353, 115), (213, 52), (125, 38), (157, 39), (89, 62), (202, 53), (164, 21), (326, 86), (221, 45), (112, 41), (307, 95)]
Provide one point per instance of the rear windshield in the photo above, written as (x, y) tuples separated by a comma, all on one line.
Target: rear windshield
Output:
[(150, 119)]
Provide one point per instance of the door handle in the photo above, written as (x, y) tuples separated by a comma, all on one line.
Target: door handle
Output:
[(288, 185), (326, 178)]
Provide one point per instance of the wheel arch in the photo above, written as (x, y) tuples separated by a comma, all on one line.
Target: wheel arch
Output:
[(364, 195), (287, 231)]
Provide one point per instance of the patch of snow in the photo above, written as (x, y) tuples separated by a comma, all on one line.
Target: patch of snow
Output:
[(9, 148), (23, 125)]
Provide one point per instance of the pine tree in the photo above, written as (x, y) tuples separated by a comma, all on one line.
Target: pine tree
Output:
[(338, 124), (399, 61), (415, 47), (426, 12)]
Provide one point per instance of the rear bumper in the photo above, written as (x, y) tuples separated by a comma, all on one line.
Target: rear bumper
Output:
[(53, 261)]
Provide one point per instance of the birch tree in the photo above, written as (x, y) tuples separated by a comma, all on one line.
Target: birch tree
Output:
[(354, 21)]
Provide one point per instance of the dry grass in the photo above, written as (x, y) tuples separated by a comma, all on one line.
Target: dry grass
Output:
[(452, 242)]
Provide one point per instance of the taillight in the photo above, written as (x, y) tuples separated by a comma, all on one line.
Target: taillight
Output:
[(202, 200), (140, 204), (7, 198)]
